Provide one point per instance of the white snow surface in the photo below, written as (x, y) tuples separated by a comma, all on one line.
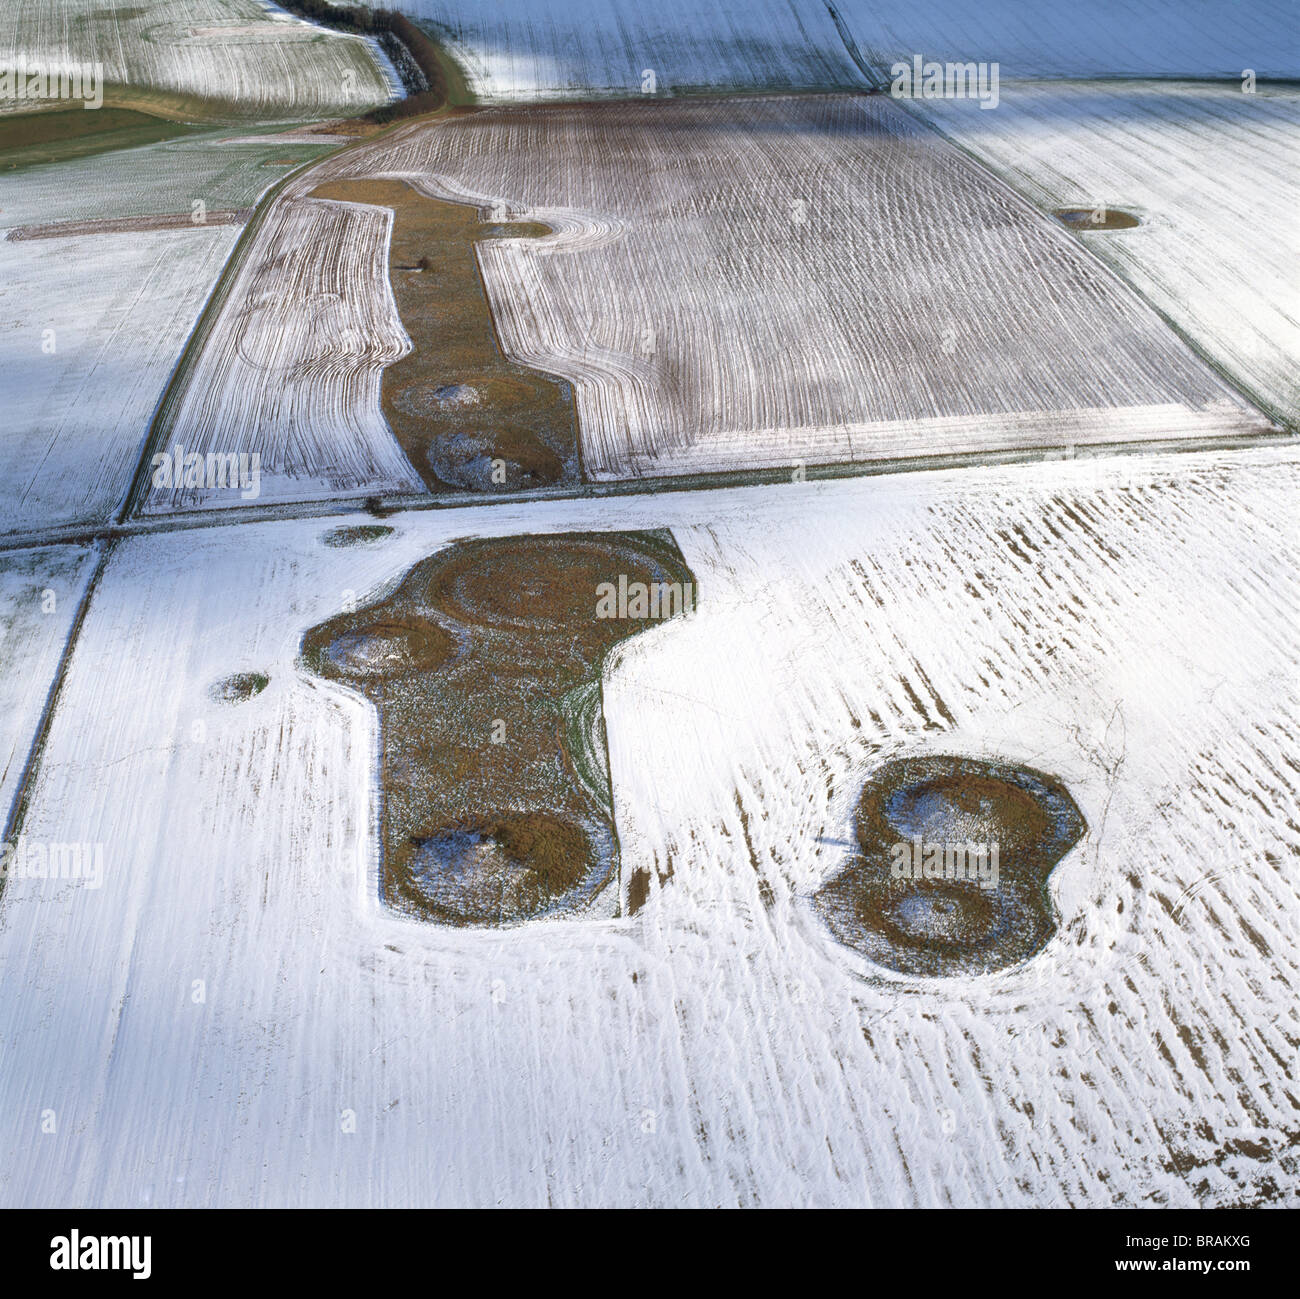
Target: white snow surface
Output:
[(39, 593), (291, 369), (1209, 171), (90, 329), (544, 49), (815, 279), (548, 49), (1083, 38), (234, 1019), (245, 58)]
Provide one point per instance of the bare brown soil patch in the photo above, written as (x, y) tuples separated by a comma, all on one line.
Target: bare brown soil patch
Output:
[(352, 126), (913, 901), (485, 666), (468, 418), (120, 225)]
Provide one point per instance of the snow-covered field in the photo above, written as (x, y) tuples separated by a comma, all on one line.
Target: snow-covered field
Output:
[(234, 1019), (121, 305), (548, 49), (1083, 38), (806, 279), (542, 49), (39, 593), (291, 369), (220, 170), (223, 1013), (1210, 172), (240, 58), (90, 329)]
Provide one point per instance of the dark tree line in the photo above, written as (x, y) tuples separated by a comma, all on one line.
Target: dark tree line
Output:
[(413, 54)]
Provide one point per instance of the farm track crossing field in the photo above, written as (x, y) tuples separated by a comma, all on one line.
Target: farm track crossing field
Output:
[(1036, 615), (809, 279), (119, 225)]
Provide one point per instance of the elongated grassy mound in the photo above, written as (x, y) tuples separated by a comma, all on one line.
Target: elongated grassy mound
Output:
[(485, 665), (952, 877), (1100, 218)]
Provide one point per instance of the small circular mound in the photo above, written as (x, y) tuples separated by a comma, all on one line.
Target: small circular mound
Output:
[(939, 912), (427, 399), (356, 535), (959, 804), (493, 869), (387, 648), (456, 396), (1099, 218), (238, 687), (505, 460), (539, 584)]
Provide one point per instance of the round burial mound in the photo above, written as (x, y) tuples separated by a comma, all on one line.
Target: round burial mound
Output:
[(539, 585), (390, 647), (499, 868), (953, 869)]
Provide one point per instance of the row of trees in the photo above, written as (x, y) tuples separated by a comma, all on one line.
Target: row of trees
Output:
[(414, 55)]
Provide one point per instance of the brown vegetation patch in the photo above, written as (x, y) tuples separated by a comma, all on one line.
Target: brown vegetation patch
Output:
[(240, 686), (356, 535), (386, 647), (496, 800), (538, 585), (491, 870), (1102, 218), (512, 428), (955, 857), (122, 225)]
